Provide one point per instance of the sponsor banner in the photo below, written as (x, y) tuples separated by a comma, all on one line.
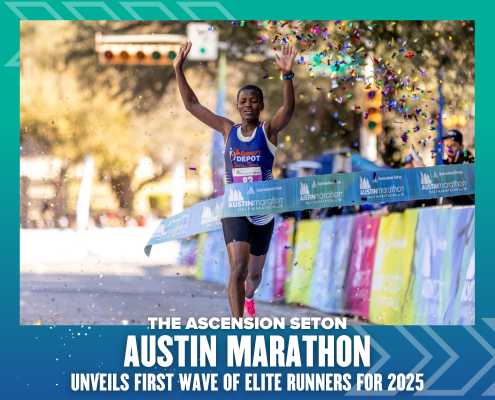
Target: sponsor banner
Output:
[(440, 182), (202, 217), (328, 278), (283, 256), (285, 195), (431, 265), (392, 281), (298, 285), (360, 268), (461, 288)]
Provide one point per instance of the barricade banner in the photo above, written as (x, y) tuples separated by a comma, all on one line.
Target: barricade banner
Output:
[(461, 309), (187, 252), (298, 285), (283, 257), (328, 279), (265, 289), (431, 261), (285, 195), (391, 281), (213, 260), (360, 269)]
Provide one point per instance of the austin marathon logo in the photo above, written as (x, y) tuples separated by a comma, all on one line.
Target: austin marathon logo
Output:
[(428, 183), (164, 229), (237, 201), (207, 217), (367, 191), (316, 198)]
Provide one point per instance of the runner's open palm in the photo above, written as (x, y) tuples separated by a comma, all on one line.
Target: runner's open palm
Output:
[(286, 60), (183, 52)]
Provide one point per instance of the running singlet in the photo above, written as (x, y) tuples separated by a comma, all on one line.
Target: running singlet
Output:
[(249, 159)]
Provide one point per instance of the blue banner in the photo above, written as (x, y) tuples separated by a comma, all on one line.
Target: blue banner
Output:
[(320, 191), (328, 278), (461, 288), (431, 264)]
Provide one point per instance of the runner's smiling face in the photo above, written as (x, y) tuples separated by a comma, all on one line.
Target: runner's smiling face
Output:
[(249, 105)]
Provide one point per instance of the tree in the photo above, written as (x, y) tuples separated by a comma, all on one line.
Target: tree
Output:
[(65, 121)]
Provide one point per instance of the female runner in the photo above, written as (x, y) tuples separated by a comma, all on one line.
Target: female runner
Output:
[(247, 238)]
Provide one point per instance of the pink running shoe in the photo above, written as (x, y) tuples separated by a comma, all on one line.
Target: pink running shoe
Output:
[(249, 310)]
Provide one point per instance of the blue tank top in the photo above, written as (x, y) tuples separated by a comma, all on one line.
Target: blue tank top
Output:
[(249, 160)]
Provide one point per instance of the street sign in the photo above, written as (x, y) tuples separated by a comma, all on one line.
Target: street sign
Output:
[(204, 41)]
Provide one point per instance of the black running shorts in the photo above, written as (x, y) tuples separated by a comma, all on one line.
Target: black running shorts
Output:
[(239, 229)]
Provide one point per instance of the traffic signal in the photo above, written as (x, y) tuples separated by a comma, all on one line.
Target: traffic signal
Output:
[(138, 54), (372, 118), (454, 120)]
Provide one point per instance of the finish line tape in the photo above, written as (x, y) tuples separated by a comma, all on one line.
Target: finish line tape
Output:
[(321, 191)]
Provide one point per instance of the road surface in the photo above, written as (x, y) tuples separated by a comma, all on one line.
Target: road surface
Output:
[(102, 292)]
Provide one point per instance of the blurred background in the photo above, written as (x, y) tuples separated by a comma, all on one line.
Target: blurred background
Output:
[(105, 141), (129, 117)]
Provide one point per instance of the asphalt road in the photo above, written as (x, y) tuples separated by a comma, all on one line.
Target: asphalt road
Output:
[(100, 292)]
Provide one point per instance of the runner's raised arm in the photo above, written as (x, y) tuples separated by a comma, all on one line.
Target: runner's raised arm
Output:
[(191, 102), (284, 114)]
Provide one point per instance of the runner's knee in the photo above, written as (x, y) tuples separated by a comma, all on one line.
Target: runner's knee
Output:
[(254, 276), (238, 271)]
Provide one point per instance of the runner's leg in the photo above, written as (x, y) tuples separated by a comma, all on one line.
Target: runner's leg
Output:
[(255, 269), (260, 237), (239, 260), (236, 234)]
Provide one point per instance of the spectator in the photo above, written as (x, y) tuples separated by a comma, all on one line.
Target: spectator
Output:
[(456, 154), (453, 147), (409, 162)]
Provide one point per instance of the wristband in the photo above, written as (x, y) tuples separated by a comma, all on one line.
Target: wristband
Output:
[(291, 74)]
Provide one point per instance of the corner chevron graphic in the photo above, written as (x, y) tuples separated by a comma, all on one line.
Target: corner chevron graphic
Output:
[(453, 358)]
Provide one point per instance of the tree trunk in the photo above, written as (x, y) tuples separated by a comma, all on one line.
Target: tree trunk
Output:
[(121, 185)]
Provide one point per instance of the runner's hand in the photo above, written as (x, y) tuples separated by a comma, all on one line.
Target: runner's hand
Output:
[(286, 60), (183, 52)]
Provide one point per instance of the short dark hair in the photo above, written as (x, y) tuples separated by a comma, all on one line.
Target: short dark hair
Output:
[(253, 88)]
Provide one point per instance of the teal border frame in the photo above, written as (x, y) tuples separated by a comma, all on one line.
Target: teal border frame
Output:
[(38, 360)]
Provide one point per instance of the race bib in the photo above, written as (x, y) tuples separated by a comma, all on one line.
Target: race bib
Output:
[(251, 174)]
